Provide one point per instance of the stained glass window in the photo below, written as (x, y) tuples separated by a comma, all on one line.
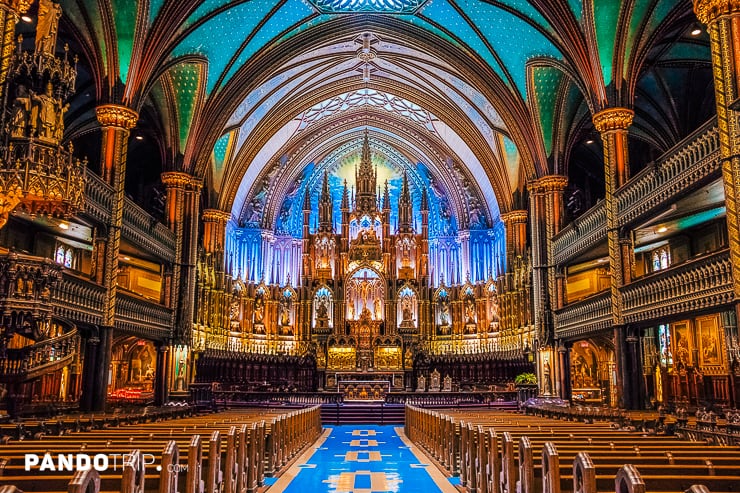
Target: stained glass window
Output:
[(64, 256), (661, 259), (664, 345)]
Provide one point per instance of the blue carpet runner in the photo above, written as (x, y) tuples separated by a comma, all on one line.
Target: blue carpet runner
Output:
[(363, 459)]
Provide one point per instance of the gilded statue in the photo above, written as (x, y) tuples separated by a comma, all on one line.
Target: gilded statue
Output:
[(21, 112), (47, 114), (47, 26)]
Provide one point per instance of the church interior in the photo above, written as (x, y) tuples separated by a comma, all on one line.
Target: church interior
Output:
[(452, 227)]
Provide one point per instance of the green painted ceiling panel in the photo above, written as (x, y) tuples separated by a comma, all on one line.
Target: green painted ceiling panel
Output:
[(522, 6), (689, 52), (441, 13), (514, 39), (206, 7), (220, 37), (637, 18), (576, 6), (417, 21), (185, 79), (154, 7), (125, 13), (293, 12), (606, 16), (546, 81)]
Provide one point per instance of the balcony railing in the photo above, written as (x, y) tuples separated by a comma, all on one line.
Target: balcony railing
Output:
[(689, 162), (82, 300), (585, 316), (79, 299), (144, 230), (139, 227), (142, 317), (701, 283), (580, 235), (31, 361)]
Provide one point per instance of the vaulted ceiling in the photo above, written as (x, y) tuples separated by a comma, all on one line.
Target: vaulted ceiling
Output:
[(474, 97)]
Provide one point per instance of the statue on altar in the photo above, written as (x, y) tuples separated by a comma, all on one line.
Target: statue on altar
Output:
[(434, 381), (285, 311), (421, 384), (447, 384)]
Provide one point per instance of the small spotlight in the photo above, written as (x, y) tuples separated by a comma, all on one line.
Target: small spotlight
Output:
[(26, 18), (63, 226), (696, 31), (139, 137), (126, 258), (590, 141), (662, 229)]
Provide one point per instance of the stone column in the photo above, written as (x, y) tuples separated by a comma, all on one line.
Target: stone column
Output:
[(612, 124), (116, 121)]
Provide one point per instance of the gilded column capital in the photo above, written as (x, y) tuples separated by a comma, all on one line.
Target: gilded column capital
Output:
[(553, 183), (115, 115), (175, 179), (513, 217), (708, 11), (613, 119), (195, 184), (215, 215)]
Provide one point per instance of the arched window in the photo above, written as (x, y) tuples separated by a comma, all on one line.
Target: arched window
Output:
[(661, 259), (64, 256)]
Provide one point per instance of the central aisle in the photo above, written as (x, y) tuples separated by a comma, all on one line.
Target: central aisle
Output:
[(362, 459)]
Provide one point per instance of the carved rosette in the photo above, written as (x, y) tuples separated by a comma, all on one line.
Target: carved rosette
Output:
[(708, 11), (612, 119), (114, 115)]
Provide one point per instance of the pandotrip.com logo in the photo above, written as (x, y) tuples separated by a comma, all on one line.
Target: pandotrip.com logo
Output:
[(100, 462)]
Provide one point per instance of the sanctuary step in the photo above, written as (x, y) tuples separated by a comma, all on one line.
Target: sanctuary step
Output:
[(377, 413)]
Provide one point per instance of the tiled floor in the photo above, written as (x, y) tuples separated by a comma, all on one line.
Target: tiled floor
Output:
[(362, 459)]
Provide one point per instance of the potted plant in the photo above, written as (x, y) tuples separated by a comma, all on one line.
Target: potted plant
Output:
[(526, 386), (526, 379)]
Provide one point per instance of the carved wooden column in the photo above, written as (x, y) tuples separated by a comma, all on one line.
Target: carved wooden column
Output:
[(10, 12), (515, 228), (175, 183), (722, 18), (612, 124), (191, 205), (547, 194), (116, 121)]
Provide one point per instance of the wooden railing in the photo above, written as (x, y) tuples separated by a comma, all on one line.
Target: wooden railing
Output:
[(701, 283), (139, 227), (142, 317), (585, 316), (31, 361), (688, 163), (79, 299)]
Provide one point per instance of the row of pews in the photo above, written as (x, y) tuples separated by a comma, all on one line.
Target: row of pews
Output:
[(231, 451), (497, 452), (38, 428)]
